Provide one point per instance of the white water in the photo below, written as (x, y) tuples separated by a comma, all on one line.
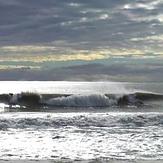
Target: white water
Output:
[(69, 134), (82, 136)]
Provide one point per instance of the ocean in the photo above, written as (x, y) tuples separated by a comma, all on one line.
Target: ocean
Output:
[(81, 81), (81, 121)]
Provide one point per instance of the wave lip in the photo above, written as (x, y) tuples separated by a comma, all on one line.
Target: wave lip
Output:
[(83, 100)]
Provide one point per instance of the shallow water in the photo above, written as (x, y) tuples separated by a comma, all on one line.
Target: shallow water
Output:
[(127, 133)]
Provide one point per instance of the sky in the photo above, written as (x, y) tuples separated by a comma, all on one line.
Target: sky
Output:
[(81, 40)]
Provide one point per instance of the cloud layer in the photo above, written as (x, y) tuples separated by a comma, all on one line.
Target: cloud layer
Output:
[(83, 24), (79, 39), (137, 71)]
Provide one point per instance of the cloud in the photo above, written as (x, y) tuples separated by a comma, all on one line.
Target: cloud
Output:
[(149, 38), (136, 71), (46, 53), (104, 36), (95, 22), (147, 5), (28, 48), (72, 4), (18, 67), (40, 54)]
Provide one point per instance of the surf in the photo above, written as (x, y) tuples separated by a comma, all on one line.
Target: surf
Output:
[(31, 99), (46, 120)]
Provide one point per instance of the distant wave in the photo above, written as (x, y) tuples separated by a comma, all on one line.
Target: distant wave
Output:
[(83, 120), (92, 100)]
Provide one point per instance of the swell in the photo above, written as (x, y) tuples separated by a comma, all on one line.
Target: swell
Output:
[(83, 120), (67, 100)]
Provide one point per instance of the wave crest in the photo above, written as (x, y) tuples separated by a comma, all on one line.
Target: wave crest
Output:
[(93, 100), (83, 101)]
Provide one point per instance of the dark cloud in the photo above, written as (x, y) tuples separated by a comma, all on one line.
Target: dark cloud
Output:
[(137, 71), (99, 23), (92, 25)]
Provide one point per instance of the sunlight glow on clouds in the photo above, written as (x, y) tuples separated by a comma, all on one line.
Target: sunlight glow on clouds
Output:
[(158, 18), (74, 4), (32, 57), (28, 48), (149, 38), (148, 5), (22, 67), (49, 53), (104, 16)]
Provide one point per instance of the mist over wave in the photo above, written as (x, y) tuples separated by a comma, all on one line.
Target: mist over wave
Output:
[(63, 87)]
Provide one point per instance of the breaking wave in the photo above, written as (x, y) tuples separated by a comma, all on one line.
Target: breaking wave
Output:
[(83, 100), (92, 100)]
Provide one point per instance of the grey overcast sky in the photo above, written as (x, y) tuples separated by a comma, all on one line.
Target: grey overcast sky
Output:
[(117, 40)]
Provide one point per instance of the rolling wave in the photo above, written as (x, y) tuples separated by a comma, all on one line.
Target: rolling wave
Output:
[(83, 120), (68, 100)]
